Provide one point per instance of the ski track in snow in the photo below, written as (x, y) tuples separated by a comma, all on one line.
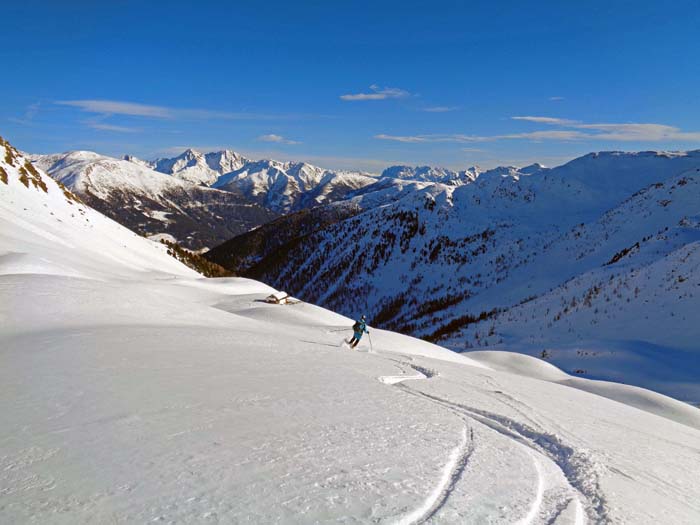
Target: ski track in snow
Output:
[(421, 373), (537, 503), (451, 473), (576, 467)]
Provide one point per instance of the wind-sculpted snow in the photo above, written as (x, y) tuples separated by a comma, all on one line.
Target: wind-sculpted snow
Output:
[(133, 391)]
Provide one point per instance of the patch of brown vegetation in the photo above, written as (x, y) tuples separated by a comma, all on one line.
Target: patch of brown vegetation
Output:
[(69, 194), (28, 173), (196, 261), (10, 152)]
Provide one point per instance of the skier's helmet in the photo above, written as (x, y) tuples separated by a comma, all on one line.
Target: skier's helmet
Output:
[(363, 318)]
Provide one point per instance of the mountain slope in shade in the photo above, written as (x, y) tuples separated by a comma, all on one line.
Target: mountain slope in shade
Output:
[(134, 391), (152, 203), (454, 264)]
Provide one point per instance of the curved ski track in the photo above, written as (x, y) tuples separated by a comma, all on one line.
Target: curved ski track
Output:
[(576, 467)]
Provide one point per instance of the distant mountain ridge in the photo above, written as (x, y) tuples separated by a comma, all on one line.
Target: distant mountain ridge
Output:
[(202, 199), (200, 168), (152, 203)]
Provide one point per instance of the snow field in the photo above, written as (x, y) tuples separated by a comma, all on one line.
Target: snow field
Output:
[(133, 391)]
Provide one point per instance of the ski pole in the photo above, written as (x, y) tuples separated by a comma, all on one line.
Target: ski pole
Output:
[(371, 348)]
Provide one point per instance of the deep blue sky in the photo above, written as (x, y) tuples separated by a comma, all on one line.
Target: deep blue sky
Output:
[(268, 79)]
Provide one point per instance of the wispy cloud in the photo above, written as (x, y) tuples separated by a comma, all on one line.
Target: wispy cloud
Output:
[(29, 113), (572, 131), (116, 107), (377, 93), (279, 139), (111, 127), (640, 132), (546, 120), (440, 109), (458, 138), (411, 139), (556, 99), (626, 132)]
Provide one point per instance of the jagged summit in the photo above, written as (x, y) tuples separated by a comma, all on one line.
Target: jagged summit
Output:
[(290, 186)]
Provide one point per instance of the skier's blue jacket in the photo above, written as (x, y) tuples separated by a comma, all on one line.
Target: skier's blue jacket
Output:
[(360, 327)]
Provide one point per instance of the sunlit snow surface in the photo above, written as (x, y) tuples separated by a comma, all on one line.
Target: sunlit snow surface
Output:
[(132, 391)]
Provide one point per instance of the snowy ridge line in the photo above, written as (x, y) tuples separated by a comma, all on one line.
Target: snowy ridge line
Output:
[(576, 467)]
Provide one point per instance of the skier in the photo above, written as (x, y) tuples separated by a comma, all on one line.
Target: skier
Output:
[(359, 328)]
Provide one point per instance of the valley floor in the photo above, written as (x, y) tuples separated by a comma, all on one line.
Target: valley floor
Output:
[(182, 400)]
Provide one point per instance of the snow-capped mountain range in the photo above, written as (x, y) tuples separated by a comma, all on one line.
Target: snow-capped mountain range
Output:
[(600, 253), (200, 168), (135, 391), (202, 199), (152, 203), (278, 186)]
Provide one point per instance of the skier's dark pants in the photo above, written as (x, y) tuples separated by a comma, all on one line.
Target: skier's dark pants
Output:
[(355, 339)]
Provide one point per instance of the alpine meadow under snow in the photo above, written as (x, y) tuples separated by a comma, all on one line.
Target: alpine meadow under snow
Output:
[(135, 391)]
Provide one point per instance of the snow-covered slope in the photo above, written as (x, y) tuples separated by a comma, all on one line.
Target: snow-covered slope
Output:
[(47, 230), (152, 203), (133, 391), (535, 259)]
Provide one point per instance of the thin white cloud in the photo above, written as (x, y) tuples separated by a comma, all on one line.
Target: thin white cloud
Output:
[(279, 139), (116, 107), (29, 113), (458, 138), (573, 131), (556, 99), (32, 110), (626, 132), (547, 120), (377, 93), (641, 132), (440, 109), (404, 138), (110, 127), (113, 107)]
